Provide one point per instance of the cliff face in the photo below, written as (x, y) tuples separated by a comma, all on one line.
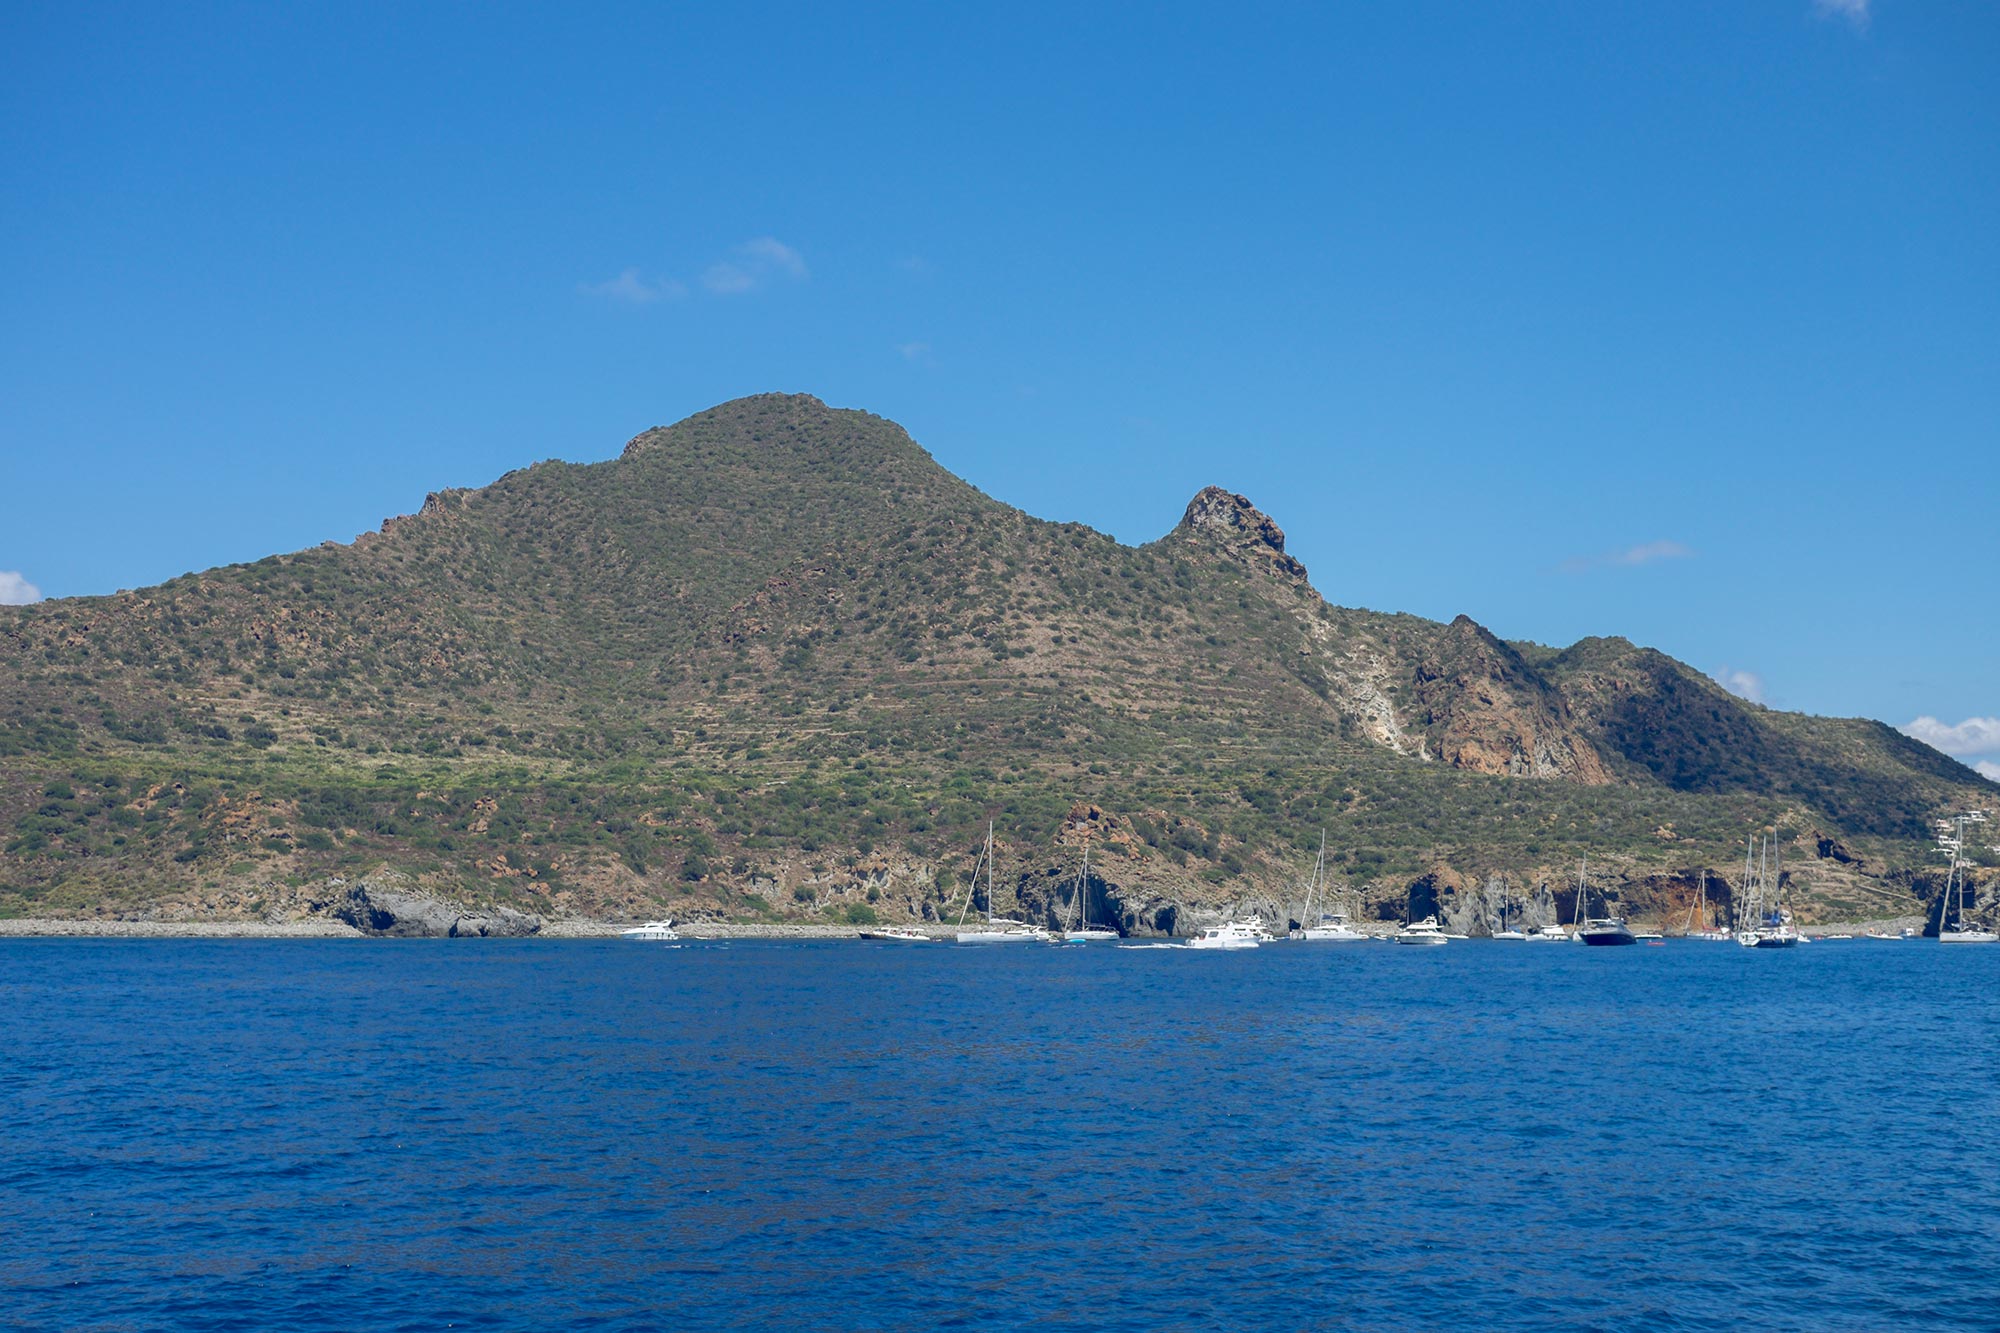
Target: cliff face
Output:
[(1485, 710), (775, 660)]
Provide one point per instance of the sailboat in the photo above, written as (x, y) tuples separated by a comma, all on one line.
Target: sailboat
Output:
[(1550, 931), (1705, 930), (1083, 931), (1774, 929), (1952, 925), (998, 930), (1504, 933), (1600, 930), (1331, 927)]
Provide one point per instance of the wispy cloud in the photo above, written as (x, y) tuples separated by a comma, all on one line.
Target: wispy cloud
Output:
[(1975, 735), (759, 262), (633, 289), (755, 263), (1987, 769), (1853, 11), (17, 591), (1646, 553), (1743, 684)]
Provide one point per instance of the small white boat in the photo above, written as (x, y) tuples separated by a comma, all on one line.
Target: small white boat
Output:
[(1231, 935), (1549, 934), (1426, 931), (1511, 936), (898, 935), (652, 930)]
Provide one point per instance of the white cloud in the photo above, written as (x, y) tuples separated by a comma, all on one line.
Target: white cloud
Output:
[(770, 250), (1987, 769), (17, 591), (1645, 553), (632, 289), (1854, 11), (757, 262), (754, 264), (1743, 684), (1975, 735)]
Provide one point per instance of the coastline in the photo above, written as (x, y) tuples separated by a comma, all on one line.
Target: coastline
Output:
[(573, 928)]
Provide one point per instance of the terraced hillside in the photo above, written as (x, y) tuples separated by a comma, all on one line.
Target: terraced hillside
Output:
[(774, 662)]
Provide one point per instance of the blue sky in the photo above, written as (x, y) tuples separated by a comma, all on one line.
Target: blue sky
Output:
[(1672, 320)]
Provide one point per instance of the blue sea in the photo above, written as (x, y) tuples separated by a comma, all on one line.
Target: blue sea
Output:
[(327, 1134)]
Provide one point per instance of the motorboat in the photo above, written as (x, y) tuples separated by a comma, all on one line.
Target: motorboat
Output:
[(1607, 930), (1231, 935), (1426, 931), (652, 930), (1548, 934), (897, 934)]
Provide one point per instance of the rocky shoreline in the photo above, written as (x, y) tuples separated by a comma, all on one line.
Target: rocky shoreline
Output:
[(566, 928)]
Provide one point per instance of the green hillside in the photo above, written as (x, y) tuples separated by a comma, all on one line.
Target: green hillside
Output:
[(775, 663)]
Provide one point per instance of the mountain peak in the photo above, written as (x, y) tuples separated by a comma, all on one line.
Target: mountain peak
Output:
[(776, 409), (1231, 521)]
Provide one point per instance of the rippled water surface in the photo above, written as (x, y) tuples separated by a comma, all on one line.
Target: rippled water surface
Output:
[(570, 1134)]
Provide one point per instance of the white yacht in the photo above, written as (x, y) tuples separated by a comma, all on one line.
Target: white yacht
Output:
[(1231, 935), (998, 929), (897, 934), (1426, 931), (1550, 933), (652, 930)]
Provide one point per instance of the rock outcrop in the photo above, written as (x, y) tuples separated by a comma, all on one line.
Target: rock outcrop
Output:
[(1241, 527), (389, 905)]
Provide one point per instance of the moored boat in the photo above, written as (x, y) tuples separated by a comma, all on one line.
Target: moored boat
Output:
[(998, 929), (1953, 928), (651, 930), (1231, 935), (1599, 931), (1426, 931)]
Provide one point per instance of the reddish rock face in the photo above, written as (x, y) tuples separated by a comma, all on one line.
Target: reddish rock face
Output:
[(1485, 710)]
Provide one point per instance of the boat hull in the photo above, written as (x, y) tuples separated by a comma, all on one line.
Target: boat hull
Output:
[(1609, 938), (1967, 937), (1002, 937)]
